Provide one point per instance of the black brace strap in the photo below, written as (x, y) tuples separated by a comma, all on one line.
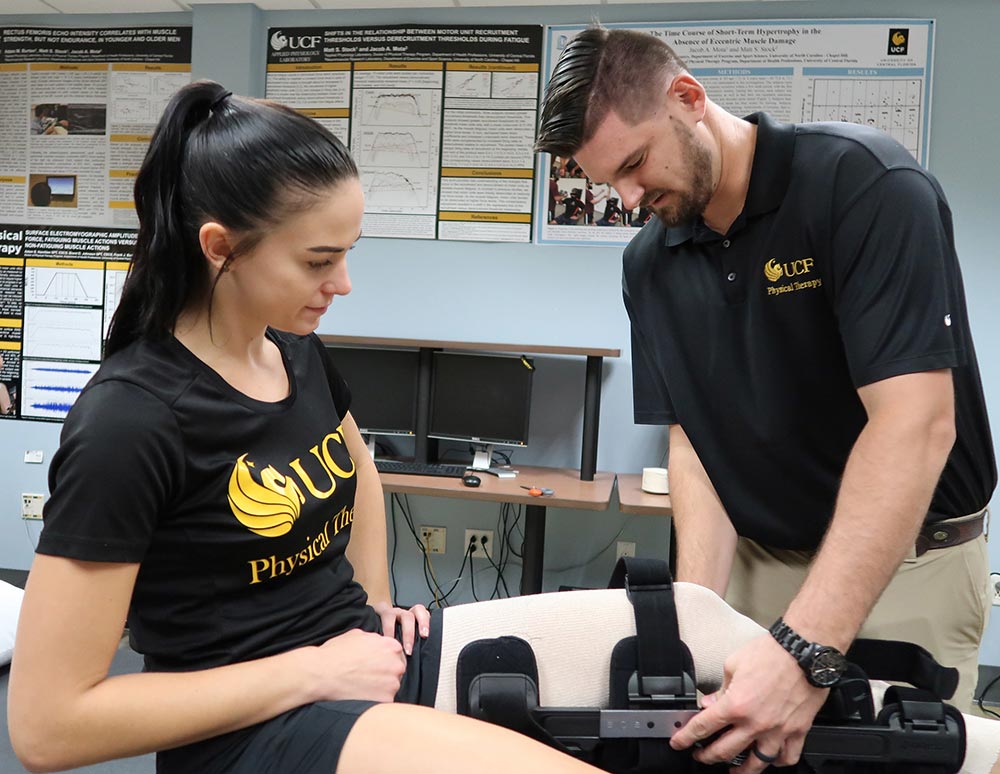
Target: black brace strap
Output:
[(904, 662), (664, 676), (662, 656)]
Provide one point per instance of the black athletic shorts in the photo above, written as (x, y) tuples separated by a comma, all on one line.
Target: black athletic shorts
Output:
[(308, 739)]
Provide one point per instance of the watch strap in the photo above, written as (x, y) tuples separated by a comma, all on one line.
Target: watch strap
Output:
[(797, 645), (823, 664)]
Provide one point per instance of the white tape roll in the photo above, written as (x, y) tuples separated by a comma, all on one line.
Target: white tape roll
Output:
[(654, 481)]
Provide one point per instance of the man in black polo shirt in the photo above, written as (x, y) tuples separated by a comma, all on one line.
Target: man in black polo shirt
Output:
[(798, 320)]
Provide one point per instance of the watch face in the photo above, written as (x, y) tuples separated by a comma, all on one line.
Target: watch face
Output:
[(827, 666)]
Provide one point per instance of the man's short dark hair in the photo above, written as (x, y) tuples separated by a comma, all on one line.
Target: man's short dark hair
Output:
[(601, 70)]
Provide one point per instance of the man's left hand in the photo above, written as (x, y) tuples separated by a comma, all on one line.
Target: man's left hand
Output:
[(766, 706)]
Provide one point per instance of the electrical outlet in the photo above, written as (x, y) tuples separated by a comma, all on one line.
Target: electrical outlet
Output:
[(31, 506), (434, 539), (624, 548), (995, 585), (481, 541)]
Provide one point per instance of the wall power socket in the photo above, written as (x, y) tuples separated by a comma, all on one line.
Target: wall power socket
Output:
[(481, 542)]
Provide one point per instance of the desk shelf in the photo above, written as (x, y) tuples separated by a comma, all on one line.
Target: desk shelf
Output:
[(469, 346), (568, 490), (632, 499)]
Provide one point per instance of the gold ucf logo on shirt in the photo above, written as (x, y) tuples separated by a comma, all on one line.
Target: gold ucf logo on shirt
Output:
[(269, 504), (799, 267)]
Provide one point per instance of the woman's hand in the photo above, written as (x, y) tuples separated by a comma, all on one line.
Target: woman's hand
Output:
[(358, 665), (417, 617)]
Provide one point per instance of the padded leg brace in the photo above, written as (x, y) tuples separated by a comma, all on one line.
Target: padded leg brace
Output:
[(572, 634)]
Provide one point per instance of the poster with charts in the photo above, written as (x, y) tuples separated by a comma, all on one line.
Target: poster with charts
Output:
[(59, 287), (77, 111), (875, 72), (440, 120)]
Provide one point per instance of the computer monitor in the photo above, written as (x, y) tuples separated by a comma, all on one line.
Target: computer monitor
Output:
[(483, 399), (383, 386), (62, 186)]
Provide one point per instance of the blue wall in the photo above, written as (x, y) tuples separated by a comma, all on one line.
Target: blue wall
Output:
[(563, 295)]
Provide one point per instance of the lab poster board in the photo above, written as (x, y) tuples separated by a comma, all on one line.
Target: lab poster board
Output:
[(77, 111), (875, 72), (59, 286), (440, 120)]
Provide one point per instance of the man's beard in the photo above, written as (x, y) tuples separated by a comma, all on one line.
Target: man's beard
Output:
[(685, 206)]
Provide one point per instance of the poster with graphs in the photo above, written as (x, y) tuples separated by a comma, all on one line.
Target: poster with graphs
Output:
[(77, 111), (59, 286), (440, 121)]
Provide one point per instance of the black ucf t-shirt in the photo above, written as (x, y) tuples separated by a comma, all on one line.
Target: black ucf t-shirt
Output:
[(238, 510)]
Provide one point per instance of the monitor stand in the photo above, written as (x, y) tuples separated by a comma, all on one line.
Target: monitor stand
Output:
[(483, 457), (482, 462)]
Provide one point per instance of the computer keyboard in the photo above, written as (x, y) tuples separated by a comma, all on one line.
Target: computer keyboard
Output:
[(420, 468)]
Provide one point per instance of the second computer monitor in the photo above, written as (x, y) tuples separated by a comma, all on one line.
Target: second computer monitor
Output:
[(481, 398), (383, 386)]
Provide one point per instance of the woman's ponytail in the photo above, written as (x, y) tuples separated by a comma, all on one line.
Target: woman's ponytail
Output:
[(164, 265), (219, 158)]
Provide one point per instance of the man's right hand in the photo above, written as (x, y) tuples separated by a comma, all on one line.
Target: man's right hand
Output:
[(765, 702)]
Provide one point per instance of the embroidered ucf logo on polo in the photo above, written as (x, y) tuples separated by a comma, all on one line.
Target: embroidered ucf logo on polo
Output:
[(795, 273)]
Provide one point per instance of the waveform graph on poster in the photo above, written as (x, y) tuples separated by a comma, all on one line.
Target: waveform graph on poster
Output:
[(59, 287)]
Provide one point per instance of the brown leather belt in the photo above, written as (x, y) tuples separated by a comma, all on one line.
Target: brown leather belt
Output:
[(953, 532)]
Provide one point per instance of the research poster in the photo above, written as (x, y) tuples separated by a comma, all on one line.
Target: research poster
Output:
[(864, 71), (77, 110), (59, 286), (440, 120)]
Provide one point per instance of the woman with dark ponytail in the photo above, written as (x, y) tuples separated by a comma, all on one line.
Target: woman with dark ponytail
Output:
[(212, 489)]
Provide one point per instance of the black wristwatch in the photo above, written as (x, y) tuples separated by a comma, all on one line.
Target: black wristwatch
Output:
[(822, 664)]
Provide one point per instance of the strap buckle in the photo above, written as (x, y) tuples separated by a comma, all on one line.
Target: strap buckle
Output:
[(662, 692)]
